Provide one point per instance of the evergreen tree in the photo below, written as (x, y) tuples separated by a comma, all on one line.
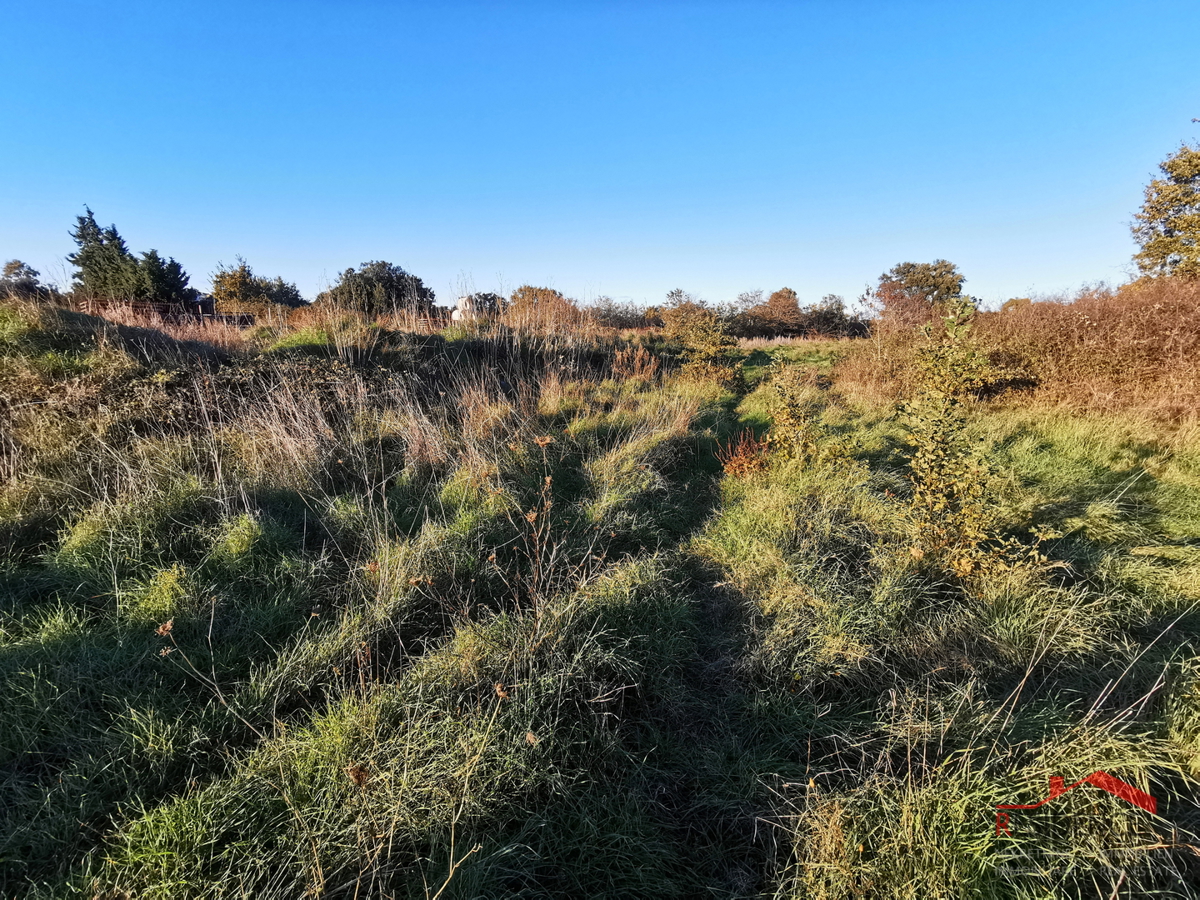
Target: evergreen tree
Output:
[(283, 293), (106, 267), (109, 271), (1168, 227), (162, 280)]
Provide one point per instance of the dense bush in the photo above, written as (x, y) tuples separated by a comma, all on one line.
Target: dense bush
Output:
[(1139, 345), (22, 281), (608, 313), (378, 289), (709, 350), (782, 316), (236, 290), (541, 310), (1133, 348)]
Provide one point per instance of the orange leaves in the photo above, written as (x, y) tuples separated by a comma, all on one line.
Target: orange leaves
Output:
[(744, 455)]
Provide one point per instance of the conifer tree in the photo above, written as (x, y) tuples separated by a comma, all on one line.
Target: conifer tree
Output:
[(162, 280), (109, 271), (106, 267)]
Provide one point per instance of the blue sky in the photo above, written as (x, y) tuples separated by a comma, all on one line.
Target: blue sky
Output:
[(618, 148)]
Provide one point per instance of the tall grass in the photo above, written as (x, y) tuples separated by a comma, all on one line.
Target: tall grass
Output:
[(336, 608)]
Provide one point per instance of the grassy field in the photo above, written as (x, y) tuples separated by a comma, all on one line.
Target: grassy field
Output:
[(344, 611)]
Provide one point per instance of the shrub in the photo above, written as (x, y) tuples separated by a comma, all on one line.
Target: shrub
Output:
[(744, 455), (608, 313), (709, 350), (1138, 346), (636, 363), (946, 468), (376, 289), (541, 310), (236, 290)]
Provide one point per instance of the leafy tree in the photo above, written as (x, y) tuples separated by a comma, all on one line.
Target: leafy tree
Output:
[(934, 283), (21, 279), (610, 314), (830, 318), (779, 315), (379, 288), (783, 309), (910, 294), (783, 315), (747, 300), (1168, 227), (236, 290)]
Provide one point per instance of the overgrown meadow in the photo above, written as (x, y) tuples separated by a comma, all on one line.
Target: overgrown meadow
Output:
[(344, 610)]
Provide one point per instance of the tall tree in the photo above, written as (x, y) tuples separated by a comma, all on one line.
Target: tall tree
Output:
[(162, 280), (783, 308), (912, 293), (379, 288), (1168, 227), (779, 315), (108, 270), (106, 267), (934, 283)]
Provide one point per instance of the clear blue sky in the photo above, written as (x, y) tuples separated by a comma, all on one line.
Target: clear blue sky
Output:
[(620, 148)]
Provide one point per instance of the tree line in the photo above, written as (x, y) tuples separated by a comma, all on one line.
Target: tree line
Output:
[(1166, 229)]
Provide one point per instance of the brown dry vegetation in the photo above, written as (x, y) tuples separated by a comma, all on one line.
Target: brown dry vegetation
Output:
[(1132, 349)]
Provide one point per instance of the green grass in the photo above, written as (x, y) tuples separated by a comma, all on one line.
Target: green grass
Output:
[(464, 616)]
